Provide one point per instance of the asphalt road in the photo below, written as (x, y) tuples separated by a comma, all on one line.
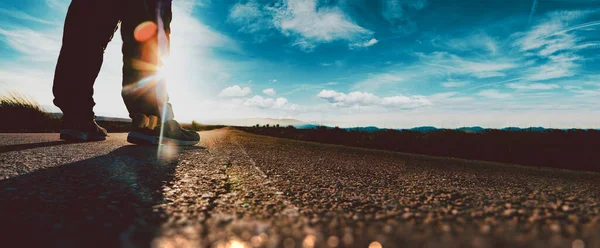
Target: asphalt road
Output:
[(241, 190)]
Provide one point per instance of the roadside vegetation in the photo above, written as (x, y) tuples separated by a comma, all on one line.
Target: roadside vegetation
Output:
[(21, 114), (201, 127), (574, 149)]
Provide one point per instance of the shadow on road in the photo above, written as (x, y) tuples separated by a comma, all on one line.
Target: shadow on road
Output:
[(20, 147), (105, 201)]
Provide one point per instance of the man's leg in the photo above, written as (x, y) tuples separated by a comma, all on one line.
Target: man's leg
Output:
[(145, 30), (144, 90), (89, 26)]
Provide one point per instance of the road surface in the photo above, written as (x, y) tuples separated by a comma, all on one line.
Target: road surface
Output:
[(242, 190)]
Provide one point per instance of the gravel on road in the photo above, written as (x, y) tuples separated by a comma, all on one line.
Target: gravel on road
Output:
[(242, 190)]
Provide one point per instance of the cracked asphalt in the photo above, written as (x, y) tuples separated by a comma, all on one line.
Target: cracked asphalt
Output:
[(242, 190)]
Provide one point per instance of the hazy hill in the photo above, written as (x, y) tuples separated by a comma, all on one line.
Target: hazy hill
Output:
[(260, 121)]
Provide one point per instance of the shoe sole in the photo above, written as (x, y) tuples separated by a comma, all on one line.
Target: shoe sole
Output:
[(144, 139), (76, 135)]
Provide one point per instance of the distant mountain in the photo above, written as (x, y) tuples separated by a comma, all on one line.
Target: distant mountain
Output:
[(307, 126), (260, 121), (369, 129), (517, 129), (475, 129), (424, 129)]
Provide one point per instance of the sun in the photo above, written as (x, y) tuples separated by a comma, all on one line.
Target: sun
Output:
[(165, 67)]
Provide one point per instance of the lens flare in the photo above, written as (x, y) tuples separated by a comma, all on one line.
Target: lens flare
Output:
[(145, 31)]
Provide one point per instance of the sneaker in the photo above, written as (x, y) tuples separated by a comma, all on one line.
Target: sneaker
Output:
[(145, 130), (76, 130)]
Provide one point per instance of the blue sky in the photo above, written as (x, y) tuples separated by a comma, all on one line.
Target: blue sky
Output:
[(389, 63)]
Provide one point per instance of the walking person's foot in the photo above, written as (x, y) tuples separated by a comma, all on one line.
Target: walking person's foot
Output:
[(146, 130), (82, 130)]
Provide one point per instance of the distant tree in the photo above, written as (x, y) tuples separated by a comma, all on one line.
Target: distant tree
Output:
[(196, 126), (277, 126)]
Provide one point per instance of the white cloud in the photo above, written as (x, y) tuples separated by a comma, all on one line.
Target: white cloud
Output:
[(235, 91), (301, 19), (324, 24), (453, 84), (491, 93), (405, 102), (274, 81), (269, 103), (270, 92), (365, 99), (250, 16), (368, 43), (534, 86)]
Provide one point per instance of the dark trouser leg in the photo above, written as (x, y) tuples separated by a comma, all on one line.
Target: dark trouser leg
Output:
[(144, 91), (89, 26)]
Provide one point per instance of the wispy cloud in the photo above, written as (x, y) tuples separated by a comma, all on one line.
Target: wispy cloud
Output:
[(58, 5), (32, 44), (324, 24), (24, 16), (251, 17), (454, 84), (534, 86), (375, 81), (533, 8), (495, 94), (479, 68), (364, 44), (301, 19), (556, 42), (395, 12), (557, 66), (475, 42), (337, 63)]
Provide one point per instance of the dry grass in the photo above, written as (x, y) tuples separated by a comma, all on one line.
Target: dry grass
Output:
[(200, 127), (20, 113)]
